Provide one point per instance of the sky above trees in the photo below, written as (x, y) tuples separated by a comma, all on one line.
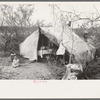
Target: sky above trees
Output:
[(44, 12)]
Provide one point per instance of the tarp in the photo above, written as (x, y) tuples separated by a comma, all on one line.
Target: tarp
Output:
[(61, 50), (82, 50), (28, 48)]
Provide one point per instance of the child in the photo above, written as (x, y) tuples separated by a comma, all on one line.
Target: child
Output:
[(15, 62), (12, 56)]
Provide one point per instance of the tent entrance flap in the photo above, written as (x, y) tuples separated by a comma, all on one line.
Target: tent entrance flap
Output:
[(36, 43), (28, 48), (45, 45), (46, 42)]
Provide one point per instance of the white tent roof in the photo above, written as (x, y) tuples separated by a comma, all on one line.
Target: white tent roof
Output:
[(72, 42)]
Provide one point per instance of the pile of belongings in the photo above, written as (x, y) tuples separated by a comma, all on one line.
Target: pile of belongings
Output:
[(72, 70), (44, 51)]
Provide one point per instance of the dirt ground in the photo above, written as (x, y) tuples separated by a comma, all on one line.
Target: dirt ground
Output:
[(39, 70), (27, 70)]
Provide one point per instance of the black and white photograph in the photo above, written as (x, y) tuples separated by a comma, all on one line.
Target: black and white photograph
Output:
[(50, 41)]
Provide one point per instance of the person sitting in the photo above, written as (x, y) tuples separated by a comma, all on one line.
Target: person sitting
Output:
[(15, 62)]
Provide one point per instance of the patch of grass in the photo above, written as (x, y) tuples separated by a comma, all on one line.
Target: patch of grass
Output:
[(57, 66), (91, 70), (2, 54)]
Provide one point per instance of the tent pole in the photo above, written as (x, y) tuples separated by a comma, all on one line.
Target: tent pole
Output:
[(42, 48), (64, 58), (70, 59), (62, 43)]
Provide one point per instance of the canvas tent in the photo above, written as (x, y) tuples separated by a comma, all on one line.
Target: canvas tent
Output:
[(60, 35), (75, 45), (30, 47)]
